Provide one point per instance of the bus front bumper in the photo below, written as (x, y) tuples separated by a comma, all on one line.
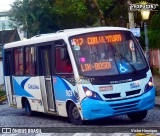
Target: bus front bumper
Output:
[(96, 109)]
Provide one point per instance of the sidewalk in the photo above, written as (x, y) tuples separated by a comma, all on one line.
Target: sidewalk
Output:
[(157, 86)]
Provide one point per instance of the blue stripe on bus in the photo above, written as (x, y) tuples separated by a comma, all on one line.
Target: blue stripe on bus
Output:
[(60, 88), (68, 88), (24, 81), (19, 90)]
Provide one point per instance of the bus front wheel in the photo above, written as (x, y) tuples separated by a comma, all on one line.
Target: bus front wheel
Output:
[(137, 116), (74, 115), (28, 110)]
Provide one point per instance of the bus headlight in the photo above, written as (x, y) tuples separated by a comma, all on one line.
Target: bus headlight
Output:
[(91, 94), (88, 93), (148, 86)]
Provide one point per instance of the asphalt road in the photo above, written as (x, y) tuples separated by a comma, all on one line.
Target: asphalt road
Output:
[(11, 117)]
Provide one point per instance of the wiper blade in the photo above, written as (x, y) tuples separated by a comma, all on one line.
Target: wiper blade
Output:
[(134, 69)]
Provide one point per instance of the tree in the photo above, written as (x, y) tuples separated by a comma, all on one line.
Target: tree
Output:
[(45, 16), (28, 15)]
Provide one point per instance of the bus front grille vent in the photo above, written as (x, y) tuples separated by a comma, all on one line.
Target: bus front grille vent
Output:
[(125, 106), (118, 95), (133, 92)]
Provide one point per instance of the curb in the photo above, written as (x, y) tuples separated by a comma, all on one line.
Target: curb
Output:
[(2, 98)]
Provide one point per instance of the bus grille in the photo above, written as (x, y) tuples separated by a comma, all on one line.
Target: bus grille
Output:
[(125, 106), (133, 92), (117, 95)]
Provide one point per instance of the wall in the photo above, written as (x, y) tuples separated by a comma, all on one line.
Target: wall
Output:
[(154, 55), (1, 74)]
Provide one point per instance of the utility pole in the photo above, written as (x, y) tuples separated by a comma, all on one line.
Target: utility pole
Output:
[(130, 16), (101, 15), (131, 25)]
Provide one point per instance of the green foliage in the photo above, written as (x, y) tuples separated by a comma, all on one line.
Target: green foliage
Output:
[(153, 32), (47, 16), (27, 14), (155, 22), (2, 93), (154, 40)]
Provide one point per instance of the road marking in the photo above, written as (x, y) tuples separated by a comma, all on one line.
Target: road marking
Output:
[(45, 134), (122, 134), (8, 134), (82, 134)]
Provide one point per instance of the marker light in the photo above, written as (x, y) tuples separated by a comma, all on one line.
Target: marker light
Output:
[(148, 86), (91, 94)]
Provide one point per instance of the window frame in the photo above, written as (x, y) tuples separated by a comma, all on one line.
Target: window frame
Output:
[(58, 73), (14, 72), (38, 56), (35, 60), (6, 72)]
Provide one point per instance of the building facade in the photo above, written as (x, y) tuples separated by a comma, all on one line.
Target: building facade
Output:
[(7, 34)]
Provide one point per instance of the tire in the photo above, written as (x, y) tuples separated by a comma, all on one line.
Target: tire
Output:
[(74, 115), (137, 116), (28, 110)]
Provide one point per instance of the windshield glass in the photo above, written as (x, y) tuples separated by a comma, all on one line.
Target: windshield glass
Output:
[(107, 53)]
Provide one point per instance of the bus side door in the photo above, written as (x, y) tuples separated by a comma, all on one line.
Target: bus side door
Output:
[(8, 71), (45, 67)]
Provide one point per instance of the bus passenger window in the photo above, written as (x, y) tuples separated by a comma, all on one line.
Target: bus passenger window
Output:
[(18, 61), (29, 61), (63, 63)]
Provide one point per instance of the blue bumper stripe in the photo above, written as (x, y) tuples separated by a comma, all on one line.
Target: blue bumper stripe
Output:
[(95, 109)]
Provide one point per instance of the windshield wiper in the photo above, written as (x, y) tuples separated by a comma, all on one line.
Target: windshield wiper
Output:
[(134, 69)]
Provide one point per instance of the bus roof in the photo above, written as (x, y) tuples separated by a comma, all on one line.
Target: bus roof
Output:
[(61, 34)]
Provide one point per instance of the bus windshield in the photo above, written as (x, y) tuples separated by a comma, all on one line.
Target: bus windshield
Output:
[(107, 53)]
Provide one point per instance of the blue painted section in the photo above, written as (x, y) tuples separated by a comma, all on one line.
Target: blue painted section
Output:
[(18, 89), (123, 68), (23, 82), (20, 79), (95, 109), (60, 87)]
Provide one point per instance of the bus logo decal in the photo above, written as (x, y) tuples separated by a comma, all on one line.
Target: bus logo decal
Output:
[(135, 85), (123, 94), (33, 86)]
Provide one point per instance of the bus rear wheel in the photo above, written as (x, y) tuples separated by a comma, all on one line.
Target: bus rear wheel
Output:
[(137, 116), (28, 110), (74, 115)]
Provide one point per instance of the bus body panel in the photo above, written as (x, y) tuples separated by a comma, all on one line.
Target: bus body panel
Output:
[(28, 87), (64, 91), (94, 109), (34, 88), (8, 90), (99, 109), (122, 90)]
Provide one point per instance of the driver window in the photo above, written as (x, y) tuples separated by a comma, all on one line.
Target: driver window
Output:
[(63, 63)]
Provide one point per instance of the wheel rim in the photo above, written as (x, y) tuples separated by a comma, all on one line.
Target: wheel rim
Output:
[(75, 113)]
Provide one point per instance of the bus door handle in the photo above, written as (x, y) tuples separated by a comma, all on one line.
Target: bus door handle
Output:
[(48, 78)]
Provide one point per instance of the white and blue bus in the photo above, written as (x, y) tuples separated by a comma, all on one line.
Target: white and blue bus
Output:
[(82, 74)]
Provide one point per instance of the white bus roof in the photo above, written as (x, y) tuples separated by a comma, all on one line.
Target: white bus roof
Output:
[(62, 34)]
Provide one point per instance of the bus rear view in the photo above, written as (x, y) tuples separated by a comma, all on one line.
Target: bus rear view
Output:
[(120, 81)]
